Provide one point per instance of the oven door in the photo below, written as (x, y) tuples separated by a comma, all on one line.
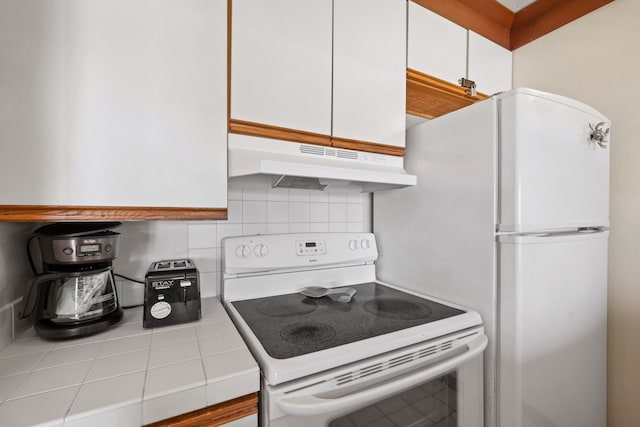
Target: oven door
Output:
[(438, 383)]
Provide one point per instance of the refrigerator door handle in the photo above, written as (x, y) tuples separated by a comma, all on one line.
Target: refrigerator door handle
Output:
[(586, 230), (582, 232)]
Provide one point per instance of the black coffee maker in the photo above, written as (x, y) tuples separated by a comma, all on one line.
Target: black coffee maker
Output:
[(74, 292)]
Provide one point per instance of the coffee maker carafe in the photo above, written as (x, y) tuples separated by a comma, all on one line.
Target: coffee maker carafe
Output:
[(74, 292)]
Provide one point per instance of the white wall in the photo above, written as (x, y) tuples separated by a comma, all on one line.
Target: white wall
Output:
[(254, 208), (595, 59), (15, 276)]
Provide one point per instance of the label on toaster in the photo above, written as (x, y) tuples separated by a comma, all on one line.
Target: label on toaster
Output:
[(160, 310), (162, 284)]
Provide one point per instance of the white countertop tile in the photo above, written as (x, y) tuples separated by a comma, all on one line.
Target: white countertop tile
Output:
[(222, 343), (173, 404), (175, 353), (19, 363), (107, 395), (112, 366), (127, 330), (214, 329), (31, 345), (124, 330), (163, 336), (126, 375), (44, 409), (225, 365), (8, 384), (126, 416), (78, 341), (238, 385), (68, 355), (49, 379), (173, 378), (129, 344)]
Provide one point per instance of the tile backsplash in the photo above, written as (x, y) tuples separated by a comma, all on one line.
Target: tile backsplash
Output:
[(15, 276), (253, 208)]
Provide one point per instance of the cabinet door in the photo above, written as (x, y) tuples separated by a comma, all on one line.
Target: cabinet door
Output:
[(490, 65), (281, 63), (436, 46), (125, 104), (369, 75)]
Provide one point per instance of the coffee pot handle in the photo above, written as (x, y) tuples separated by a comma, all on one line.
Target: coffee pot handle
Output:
[(27, 306)]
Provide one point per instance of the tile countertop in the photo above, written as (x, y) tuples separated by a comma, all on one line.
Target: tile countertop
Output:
[(127, 375)]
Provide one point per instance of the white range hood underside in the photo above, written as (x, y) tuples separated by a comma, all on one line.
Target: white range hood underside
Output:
[(294, 165)]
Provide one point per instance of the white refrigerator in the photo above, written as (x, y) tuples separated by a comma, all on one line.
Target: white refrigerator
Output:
[(510, 217)]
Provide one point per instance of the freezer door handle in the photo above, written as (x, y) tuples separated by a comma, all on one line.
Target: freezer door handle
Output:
[(312, 404), (599, 135), (581, 230)]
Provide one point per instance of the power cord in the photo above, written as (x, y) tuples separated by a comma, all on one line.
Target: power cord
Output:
[(129, 278)]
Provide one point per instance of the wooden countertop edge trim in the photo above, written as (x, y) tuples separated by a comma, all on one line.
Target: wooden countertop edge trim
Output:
[(34, 213), (214, 415)]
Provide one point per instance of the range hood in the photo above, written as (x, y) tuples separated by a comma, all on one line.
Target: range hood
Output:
[(314, 167)]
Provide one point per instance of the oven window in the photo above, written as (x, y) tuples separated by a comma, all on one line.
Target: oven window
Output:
[(429, 404)]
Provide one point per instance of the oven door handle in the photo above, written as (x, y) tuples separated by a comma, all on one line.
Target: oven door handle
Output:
[(310, 404)]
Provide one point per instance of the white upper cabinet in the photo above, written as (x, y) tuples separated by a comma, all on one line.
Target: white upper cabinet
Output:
[(281, 63), (335, 68), (443, 49), (490, 65), (369, 71), (436, 46), (115, 103)]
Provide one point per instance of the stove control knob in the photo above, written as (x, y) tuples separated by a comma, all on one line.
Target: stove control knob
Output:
[(260, 250), (243, 251), (365, 244), (353, 244)]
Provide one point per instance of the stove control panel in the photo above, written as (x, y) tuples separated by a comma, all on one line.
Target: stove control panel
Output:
[(259, 253), (311, 247)]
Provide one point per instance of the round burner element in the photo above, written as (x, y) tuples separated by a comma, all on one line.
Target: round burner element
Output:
[(287, 305), (307, 333), (399, 309)]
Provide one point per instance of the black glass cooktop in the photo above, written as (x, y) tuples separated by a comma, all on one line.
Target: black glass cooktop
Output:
[(292, 325)]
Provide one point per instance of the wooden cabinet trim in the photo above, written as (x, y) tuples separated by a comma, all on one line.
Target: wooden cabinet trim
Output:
[(214, 415), (106, 213), (486, 17), (430, 97), (512, 30), (544, 16), (370, 147), (267, 131), (293, 135)]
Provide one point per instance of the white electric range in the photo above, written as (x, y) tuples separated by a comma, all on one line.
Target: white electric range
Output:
[(387, 357)]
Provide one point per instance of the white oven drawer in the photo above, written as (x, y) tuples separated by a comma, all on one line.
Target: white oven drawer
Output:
[(426, 384)]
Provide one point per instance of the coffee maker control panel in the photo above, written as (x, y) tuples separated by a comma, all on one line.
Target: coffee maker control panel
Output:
[(83, 249)]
